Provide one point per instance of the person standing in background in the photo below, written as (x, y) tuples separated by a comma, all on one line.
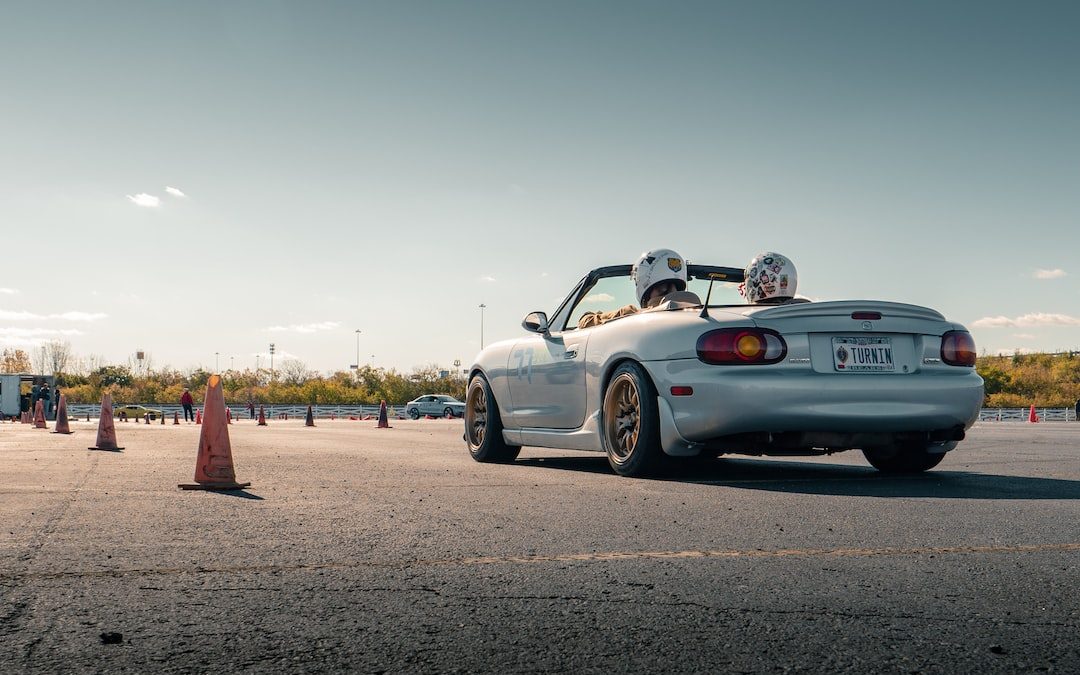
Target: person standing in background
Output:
[(186, 401)]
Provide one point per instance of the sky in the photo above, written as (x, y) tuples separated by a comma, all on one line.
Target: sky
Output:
[(199, 180)]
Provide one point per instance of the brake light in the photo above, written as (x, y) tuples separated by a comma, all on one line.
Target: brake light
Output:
[(741, 347), (866, 316), (958, 348)]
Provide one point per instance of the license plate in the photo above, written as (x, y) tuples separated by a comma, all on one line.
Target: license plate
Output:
[(863, 354)]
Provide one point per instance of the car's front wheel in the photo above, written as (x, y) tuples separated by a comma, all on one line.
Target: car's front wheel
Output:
[(630, 428), (414, 413), (483, 425), (903, 458), (448, 413)]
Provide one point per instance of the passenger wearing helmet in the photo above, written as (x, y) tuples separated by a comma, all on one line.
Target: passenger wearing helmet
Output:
[(769, 279), (656, 274)]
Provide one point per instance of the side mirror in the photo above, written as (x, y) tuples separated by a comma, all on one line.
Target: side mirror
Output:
[(535, 322)]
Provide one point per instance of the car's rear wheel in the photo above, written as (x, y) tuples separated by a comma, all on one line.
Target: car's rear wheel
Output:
[(483, 425), (414, 413), (630, 428), (903, 458)]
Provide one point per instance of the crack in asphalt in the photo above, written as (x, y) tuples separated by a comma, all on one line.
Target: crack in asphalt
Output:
[(20, 608), (556, 558)]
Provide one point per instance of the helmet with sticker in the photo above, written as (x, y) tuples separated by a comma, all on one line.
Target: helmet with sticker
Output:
[(769, 278), (657, 266)]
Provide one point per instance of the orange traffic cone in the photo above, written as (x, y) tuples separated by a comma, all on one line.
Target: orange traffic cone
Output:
[(175, 417), (61, 416), (198, 416), (106, 430), (383, 423), (214, 465), (162, 418), (39, 416), (1032, 416), (262, 417), (310, 421), (228, 416), (146, 418)]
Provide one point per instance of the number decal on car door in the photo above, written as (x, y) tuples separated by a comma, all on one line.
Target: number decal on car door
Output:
[(523, 366)]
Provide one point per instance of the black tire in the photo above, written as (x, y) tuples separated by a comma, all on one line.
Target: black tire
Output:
[(630, 423), (483, 426), (448, 413), (903, 458), (414, 413)]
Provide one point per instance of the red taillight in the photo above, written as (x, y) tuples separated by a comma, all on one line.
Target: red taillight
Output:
[(741, 346), (682, 391), (958, 348), (866, 316)]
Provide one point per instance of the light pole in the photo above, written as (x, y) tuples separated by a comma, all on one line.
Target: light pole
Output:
[(231, 363), (216, 366), (482, 306), (356, 366), (271, 361), (256, 367)]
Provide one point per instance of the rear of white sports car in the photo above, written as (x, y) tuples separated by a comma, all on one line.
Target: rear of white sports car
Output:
[(894, 380)]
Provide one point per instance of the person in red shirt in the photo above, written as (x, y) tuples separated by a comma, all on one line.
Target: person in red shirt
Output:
[(187, 401)]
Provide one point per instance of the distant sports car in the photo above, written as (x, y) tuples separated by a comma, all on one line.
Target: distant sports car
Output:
[(437, 405), (136, 412), (682, 380)]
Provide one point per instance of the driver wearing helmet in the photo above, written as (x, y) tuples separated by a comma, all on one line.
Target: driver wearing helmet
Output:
[(656, 274), (769, 279)]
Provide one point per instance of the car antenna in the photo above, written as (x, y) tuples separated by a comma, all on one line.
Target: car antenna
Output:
[(713, 276)]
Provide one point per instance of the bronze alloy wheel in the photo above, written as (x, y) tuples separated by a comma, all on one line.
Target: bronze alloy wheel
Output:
[(630, 429), (483, 426), (622, 416), (476, 413)]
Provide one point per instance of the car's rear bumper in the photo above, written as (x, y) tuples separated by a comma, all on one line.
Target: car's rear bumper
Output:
[(742, 400)]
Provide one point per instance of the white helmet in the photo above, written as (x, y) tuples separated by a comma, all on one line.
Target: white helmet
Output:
[(769, 277), (661, 264)]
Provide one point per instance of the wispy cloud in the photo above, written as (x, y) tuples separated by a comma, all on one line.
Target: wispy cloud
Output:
[(143, 199), (487, 279), (1056, 273), (9, 315), (598, 297), (1024, 336), (8, 291), (1034, 319), (175, 192), (32, 337), (543, 274), (305, 327)]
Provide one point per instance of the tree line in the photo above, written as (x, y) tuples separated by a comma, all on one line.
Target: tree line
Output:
[(1017, 381)]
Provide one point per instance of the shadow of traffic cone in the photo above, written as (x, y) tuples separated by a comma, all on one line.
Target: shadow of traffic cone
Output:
[(61, 416), (39, 416), (214, 465), (175, 417), (1033, 417), (106, 430), (310, 421), (198, 416), (383, 423), (262, 417)]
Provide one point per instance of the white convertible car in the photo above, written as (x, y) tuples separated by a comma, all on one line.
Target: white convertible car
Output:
[(686, 379)]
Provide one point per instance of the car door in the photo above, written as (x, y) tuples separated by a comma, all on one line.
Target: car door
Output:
[(427, 405), (546, 375)]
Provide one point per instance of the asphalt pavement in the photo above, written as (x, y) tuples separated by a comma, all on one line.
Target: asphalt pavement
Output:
[(392, 551)]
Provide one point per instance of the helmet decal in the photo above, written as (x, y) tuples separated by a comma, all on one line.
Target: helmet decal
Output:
[(656, 266)]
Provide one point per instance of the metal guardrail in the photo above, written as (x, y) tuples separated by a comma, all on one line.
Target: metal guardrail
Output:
[(1021, 414), (241, 411), (346, 411)]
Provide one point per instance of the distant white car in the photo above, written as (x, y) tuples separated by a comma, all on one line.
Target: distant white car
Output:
[(894, 380), (437, 405)]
